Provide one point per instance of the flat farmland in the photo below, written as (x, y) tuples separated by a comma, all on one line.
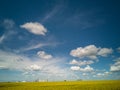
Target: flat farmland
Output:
[(68, 85)]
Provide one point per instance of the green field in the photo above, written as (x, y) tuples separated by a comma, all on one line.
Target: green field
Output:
[(68, 85)]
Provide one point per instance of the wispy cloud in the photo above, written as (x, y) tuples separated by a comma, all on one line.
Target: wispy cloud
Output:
[(36, 46), (51, 13), (85, 19), (50, 68), (8, 25), (2, 38), (6, 36)]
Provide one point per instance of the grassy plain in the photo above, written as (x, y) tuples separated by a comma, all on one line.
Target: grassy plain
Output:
[(68, 85)]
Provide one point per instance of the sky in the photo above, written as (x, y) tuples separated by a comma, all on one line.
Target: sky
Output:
[(58, 40)]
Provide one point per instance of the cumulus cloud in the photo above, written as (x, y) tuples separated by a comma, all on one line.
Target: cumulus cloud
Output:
[(90, 51), (84, 74), (115, 66), (75, 68), (105, 51), (44, 55), (81, 63), (34, 67), (100, 74), (106, 72), (85, 69), (35, 28), (74, 62)]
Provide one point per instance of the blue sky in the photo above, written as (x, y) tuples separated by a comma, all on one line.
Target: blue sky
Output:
[(59, 40)]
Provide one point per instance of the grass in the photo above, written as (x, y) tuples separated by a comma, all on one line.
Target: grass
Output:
[(69, 85)]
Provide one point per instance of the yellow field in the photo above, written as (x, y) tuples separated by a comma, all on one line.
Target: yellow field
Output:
[(69, 85)]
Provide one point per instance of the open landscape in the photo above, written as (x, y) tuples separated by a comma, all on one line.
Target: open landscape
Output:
[(59, 44), (66, 85)]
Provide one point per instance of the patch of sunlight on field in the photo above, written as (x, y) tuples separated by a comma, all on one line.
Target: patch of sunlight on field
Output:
[(69, 85)]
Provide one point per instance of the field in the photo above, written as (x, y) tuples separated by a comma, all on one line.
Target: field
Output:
[(68, 85)]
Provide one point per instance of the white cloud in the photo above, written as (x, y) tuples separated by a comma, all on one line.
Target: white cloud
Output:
[(28, 66), (32, 46), (105, 51), (100, 74), (90, 51), (44, 55), (35, 46), (81, 63), (35, 28), (84, 74), (13, 61), (75, 68), (115, 66), (74, 62), (3, 67), (34, 67), (85, 69), (106, 72)]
